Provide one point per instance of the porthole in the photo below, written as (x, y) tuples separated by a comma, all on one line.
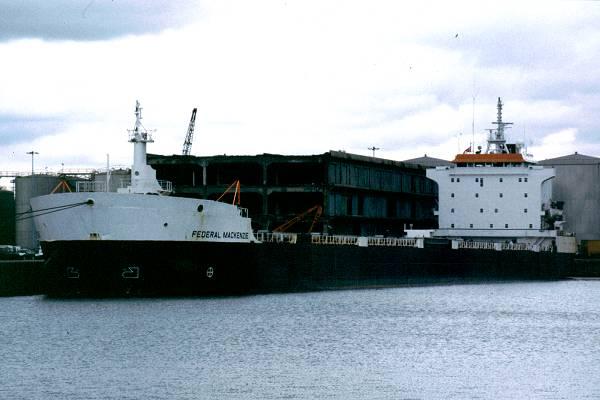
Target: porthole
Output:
[(200, 208)]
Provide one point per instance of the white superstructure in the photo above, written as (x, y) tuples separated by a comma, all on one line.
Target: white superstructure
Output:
[(142, 211), (492, 201), (143, 176), (498, 195)]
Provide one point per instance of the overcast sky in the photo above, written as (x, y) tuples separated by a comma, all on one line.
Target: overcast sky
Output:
[(293, 77)]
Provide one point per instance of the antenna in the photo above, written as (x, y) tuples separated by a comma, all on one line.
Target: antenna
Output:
[(474, 96), (496, 140), (473, 122), (373, 149)]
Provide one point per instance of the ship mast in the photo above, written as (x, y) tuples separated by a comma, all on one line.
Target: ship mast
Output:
[(496, 141), (143, 177)]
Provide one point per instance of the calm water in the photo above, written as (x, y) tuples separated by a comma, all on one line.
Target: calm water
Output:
[(512, 340)]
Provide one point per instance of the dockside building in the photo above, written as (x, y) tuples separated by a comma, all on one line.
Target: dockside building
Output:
[(577, 185)]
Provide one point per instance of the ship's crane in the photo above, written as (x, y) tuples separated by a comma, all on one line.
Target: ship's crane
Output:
[(318, 210), (187, 144)]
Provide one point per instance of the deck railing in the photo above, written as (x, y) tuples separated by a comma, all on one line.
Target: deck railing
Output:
[(392, 241), (91, 186), (334, 239), (500, 246), (277, 237)]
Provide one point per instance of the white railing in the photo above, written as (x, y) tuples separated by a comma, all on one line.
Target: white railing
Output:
[(91, 186), (501, 246), (145, 136), (476, 245), (166, 186), (334, 239), (277, 237), (366, 241), (516, 246), (547, 248), (392, 242)]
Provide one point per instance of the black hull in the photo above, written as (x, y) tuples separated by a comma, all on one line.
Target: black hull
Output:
[(140, 268)]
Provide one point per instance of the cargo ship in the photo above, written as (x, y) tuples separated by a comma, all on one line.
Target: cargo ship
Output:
[(496, 216)]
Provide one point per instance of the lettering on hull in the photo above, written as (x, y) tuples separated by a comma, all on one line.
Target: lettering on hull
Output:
[(220, 235)]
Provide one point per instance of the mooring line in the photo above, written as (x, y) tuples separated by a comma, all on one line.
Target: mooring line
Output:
[(32, 213)]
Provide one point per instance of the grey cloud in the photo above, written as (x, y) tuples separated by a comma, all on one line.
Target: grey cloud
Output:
[(16, 129), (90, 19)]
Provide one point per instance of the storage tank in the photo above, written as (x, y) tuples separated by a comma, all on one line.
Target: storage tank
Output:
[(27, 187), (7, 217)]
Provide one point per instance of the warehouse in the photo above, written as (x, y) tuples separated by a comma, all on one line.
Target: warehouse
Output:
[(359, 195)]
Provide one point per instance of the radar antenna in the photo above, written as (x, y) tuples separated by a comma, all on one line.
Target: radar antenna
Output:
[(496, 141)]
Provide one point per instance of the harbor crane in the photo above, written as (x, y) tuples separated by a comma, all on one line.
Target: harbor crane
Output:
[(189, 137)]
